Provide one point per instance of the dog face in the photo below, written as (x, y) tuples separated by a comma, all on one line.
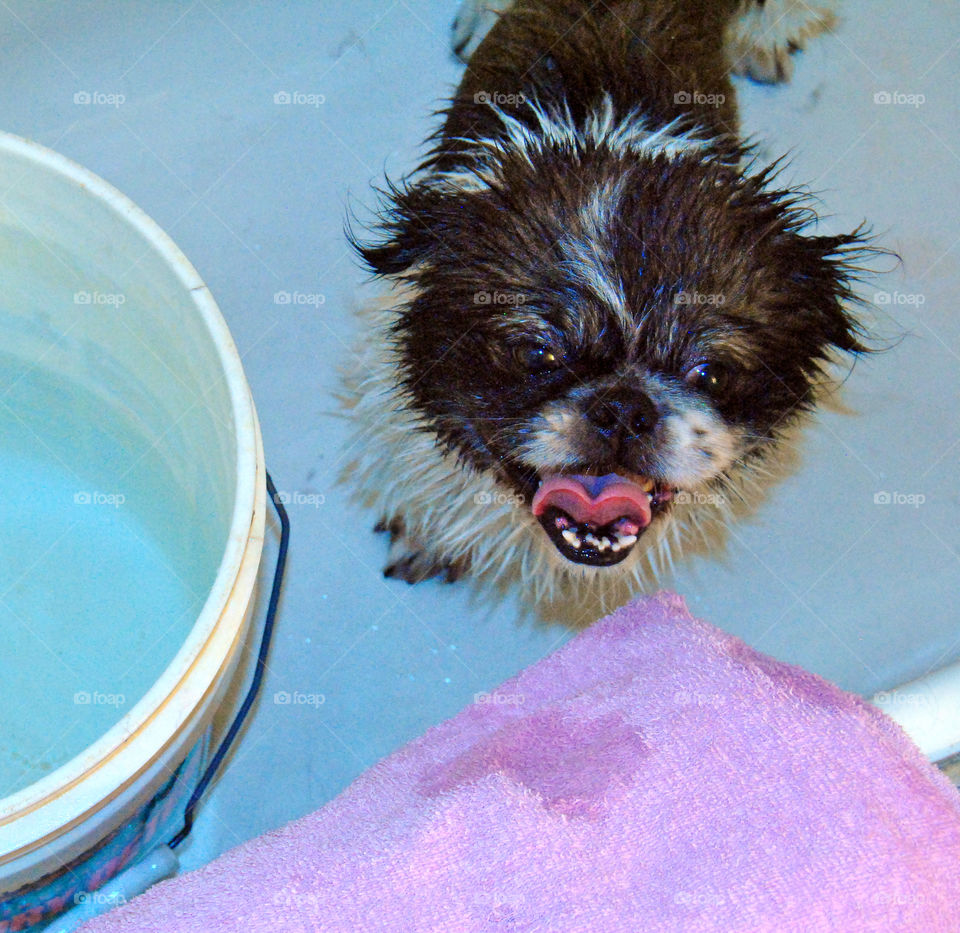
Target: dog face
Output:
[(602, 324)]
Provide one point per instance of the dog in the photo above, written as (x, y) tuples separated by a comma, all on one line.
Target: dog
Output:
[(605, 314)]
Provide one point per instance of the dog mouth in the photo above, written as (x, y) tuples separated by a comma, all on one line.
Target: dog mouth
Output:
[(597, 520)]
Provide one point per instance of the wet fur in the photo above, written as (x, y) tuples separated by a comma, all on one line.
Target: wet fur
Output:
[(569, 176)]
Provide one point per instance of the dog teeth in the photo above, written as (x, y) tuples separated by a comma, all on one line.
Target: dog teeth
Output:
[(585, 535), (601, 544), (647, 486)]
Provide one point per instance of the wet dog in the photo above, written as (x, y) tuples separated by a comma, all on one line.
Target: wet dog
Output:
[(606, 313)]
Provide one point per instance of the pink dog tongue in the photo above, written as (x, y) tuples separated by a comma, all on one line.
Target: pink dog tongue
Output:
[(598, 500)]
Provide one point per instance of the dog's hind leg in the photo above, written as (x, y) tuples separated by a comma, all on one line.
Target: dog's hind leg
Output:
[(762, 37), (474, 20)]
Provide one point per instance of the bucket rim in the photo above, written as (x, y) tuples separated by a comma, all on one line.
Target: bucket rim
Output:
[(38, 813)]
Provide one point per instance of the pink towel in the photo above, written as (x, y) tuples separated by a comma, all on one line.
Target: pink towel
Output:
[(653, 774)]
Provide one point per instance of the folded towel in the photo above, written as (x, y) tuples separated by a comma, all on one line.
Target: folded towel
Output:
[(653, 774)]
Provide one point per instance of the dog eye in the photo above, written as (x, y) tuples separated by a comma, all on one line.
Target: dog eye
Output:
[(710, 378), (538, 358)]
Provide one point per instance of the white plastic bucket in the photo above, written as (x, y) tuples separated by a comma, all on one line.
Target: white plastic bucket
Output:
[(102, 317)]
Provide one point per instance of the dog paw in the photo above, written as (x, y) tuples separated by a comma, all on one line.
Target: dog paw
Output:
[(474, 20), (412, 563), (763, 37)]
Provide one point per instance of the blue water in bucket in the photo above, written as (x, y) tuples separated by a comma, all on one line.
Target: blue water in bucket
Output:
[(103, 568)]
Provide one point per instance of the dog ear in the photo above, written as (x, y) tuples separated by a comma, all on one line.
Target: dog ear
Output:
[(413, 226), (821, 275)]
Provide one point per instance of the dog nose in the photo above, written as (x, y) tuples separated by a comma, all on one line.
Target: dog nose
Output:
[(623, 414)]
